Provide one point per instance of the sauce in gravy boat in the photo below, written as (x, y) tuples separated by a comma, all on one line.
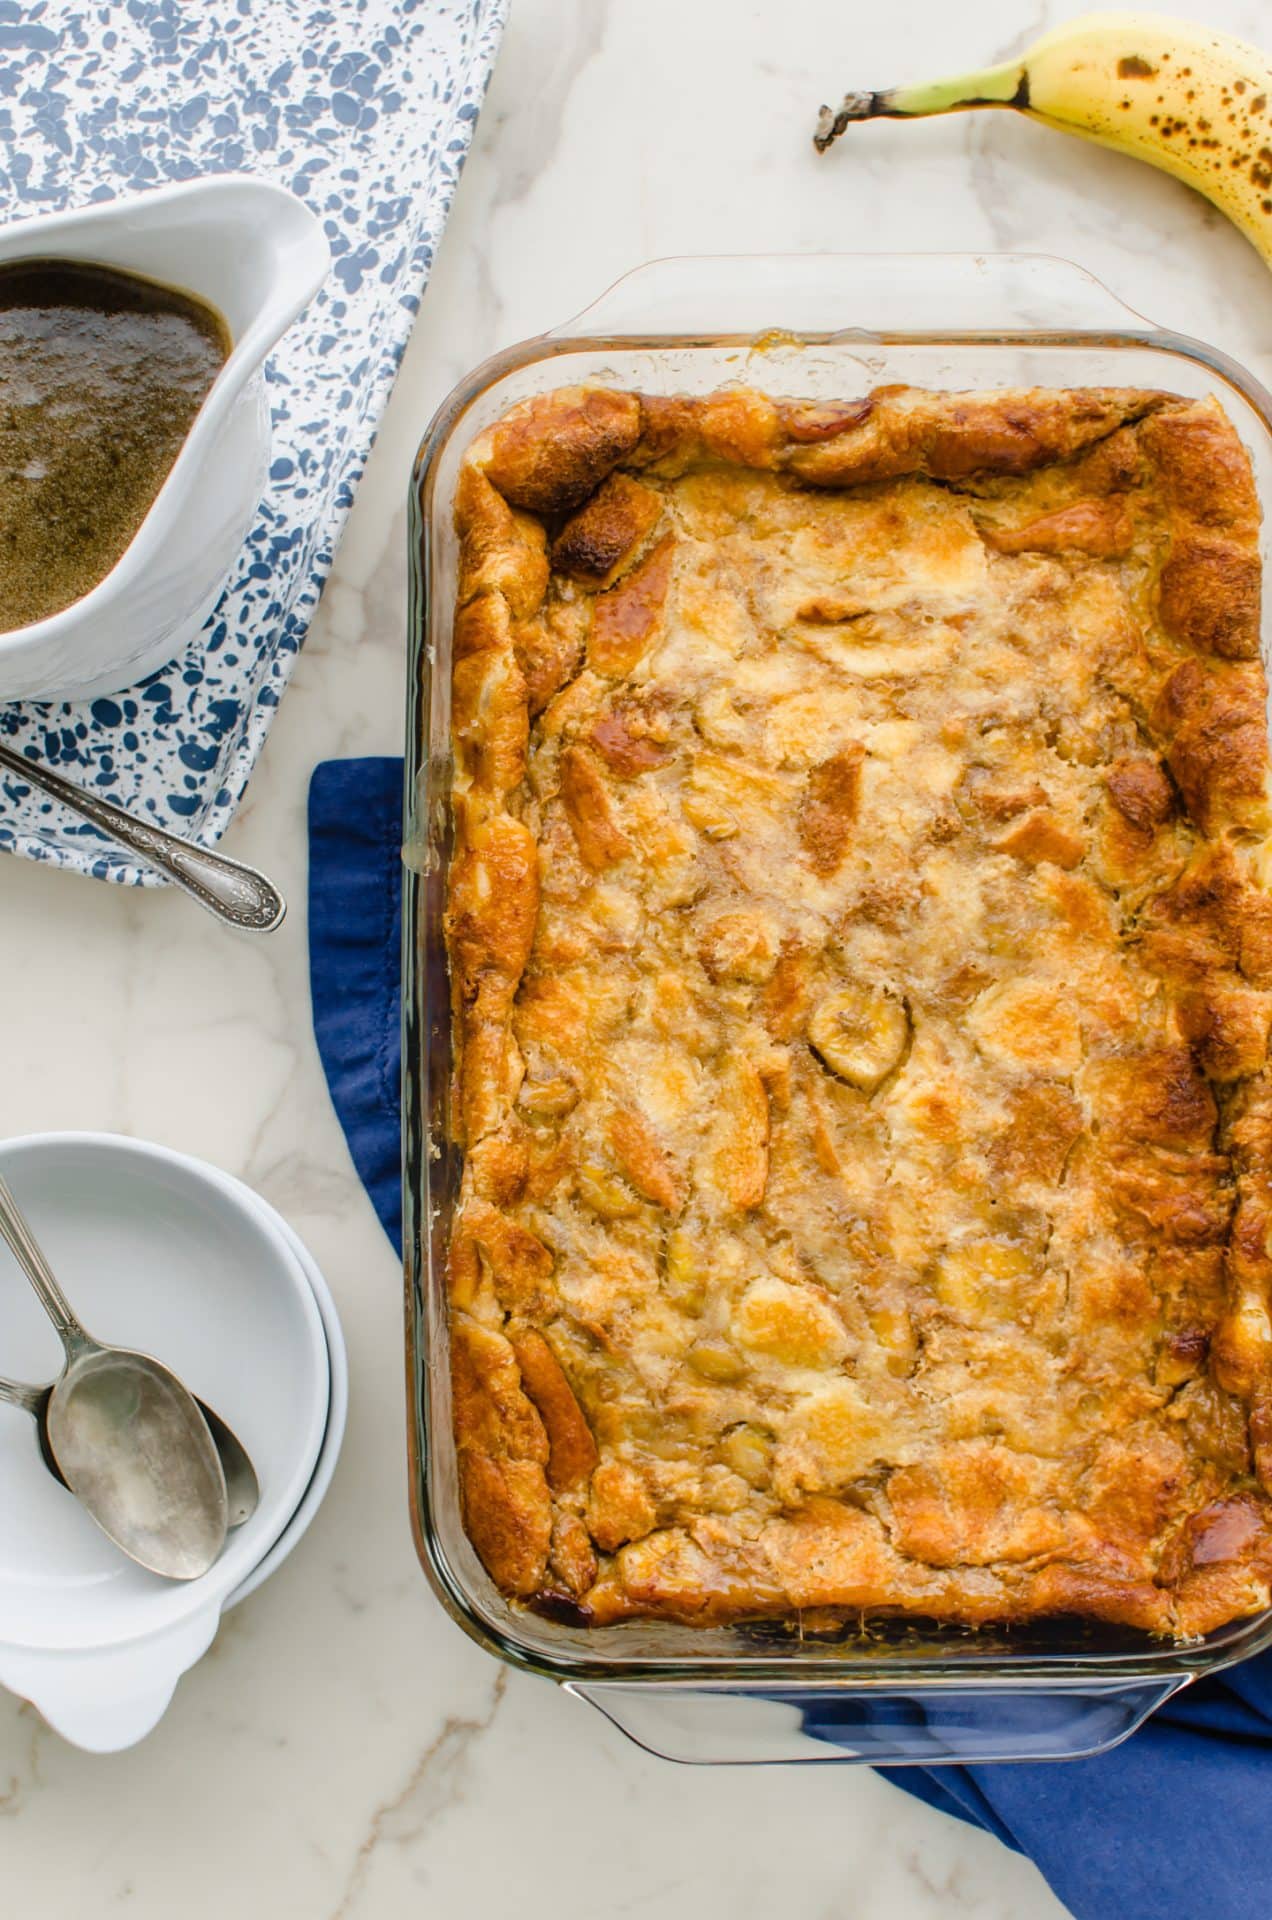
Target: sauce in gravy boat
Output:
[(256, 255)]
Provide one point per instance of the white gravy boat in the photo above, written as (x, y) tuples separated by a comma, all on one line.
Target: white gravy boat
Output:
[(256, 254)]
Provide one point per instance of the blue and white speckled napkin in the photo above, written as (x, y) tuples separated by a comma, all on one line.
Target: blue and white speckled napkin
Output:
[(363, 107)]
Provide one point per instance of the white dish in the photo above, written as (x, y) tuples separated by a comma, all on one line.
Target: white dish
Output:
[(258, 255), (162, 1252), (337, 1413)]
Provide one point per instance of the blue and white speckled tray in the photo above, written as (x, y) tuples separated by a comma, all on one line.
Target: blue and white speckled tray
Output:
[(363, 107)]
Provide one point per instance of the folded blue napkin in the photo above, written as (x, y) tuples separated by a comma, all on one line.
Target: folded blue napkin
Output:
[(1175, 1824)]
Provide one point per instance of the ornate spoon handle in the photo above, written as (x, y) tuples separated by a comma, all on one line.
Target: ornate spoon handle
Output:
[(15, 1230), (236, 894), (15, 1394)]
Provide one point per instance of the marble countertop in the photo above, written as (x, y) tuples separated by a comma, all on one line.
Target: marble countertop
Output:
[(344, 1753)]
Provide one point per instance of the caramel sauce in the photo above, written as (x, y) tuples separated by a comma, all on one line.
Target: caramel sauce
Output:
[(101, 376)]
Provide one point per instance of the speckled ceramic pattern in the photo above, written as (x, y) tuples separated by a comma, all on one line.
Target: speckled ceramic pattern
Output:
[(365, 108)]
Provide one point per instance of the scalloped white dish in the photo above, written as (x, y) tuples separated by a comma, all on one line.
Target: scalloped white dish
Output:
[(106, 1698), (164, 1253)]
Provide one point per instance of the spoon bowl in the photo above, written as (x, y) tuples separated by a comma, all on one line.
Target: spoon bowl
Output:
[(134, 1448), (242, 1488), (128, 1437)]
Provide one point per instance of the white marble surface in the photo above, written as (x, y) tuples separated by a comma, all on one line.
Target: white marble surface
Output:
[(344, 1752)]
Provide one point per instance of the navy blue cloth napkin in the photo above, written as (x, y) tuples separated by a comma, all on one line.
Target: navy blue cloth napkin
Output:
[(1175, 1824), (355, 964)]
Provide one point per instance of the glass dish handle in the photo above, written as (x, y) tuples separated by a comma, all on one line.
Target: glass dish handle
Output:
[(874, 293), (940, 1726)]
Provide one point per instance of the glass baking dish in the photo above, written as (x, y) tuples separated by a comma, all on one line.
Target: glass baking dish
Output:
[(816, 327)]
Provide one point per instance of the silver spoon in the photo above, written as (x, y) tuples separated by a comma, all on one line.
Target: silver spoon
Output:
[(242, 1488), (233, 892), (128, 1438)]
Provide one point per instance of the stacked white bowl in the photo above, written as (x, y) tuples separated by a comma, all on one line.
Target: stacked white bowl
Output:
[(164, 1253)]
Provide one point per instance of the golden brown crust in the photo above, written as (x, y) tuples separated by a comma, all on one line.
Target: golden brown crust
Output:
[(502, 1454), (863, 985), (1102, 528), (1208, 596), (597, 542), (625, 620), (548, 455), (571, 1449), (1214, 722), (830, 807)]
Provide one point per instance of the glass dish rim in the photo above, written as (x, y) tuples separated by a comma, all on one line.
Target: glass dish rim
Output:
[(841, 1669)]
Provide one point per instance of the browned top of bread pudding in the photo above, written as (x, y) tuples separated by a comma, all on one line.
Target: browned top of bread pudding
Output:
[(861, 959)]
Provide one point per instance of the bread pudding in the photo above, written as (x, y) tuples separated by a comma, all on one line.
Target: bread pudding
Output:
[(861, 960)]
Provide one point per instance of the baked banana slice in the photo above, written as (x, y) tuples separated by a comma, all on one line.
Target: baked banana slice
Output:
[(860, 1033)]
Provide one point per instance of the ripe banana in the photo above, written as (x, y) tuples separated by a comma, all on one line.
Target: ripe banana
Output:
[(1192, 101), (860, 1034)]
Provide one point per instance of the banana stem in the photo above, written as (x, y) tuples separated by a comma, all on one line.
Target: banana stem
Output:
[(1005, 86)]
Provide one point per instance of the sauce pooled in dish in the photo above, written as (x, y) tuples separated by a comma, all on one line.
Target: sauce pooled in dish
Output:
[(101, 376)]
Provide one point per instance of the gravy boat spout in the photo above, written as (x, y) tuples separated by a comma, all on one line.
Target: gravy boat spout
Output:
[(257, 255)]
